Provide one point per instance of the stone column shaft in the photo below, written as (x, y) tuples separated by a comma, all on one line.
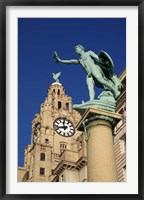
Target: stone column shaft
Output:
[(100, 152)]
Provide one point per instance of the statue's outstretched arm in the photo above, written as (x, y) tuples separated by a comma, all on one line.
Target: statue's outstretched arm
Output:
[(57, 59), (72, 61)]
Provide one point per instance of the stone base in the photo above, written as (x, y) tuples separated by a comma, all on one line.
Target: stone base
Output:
[(106, 101)]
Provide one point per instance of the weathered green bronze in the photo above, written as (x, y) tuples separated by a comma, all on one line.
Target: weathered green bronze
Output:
[(99, 69), (100, 73), (56, 76)]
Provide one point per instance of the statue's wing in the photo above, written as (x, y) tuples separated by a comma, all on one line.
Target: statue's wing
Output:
[(106, 63)]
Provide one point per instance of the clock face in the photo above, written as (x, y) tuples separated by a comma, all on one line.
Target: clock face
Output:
[(64, 127)]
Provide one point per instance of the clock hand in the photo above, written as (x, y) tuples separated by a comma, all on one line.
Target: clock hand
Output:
[(57, 127), (64, 122), (64, 127)]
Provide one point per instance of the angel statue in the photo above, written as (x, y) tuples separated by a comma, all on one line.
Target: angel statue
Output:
[(56, 76), (99, 69)]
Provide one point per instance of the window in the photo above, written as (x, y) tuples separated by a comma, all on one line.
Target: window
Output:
[(58, 91), (67, 106), (42, 156), (59, 104), (46, 141), (42, 171), (62, 147)]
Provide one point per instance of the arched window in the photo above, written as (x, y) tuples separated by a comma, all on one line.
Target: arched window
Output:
[(42, 156), (59, 104), (67, 106), (58, 91)]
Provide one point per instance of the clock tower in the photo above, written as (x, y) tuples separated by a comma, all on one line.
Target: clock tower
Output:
[(55, 153)]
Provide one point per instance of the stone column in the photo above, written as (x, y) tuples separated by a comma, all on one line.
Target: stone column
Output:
[(42, 135), (98, 126), (100, 152)]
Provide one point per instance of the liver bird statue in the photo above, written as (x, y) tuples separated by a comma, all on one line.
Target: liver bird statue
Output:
[(56, 76)]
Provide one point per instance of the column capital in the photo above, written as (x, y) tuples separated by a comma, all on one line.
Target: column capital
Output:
[(97, 114)]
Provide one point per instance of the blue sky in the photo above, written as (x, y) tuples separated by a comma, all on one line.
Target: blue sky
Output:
[(38, 38)]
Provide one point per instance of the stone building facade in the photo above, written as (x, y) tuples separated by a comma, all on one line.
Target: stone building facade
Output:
[(120, 133), (51, 157)]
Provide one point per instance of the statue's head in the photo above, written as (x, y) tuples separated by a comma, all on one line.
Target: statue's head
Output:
[(79, 48)]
